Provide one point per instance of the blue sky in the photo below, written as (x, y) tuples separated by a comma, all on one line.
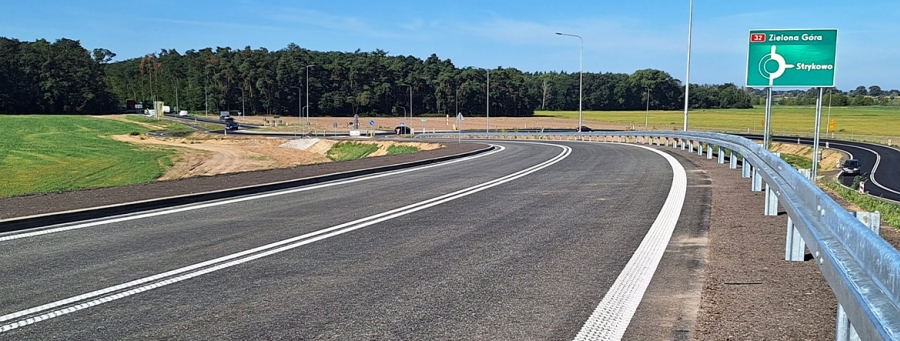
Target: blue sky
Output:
[(619, 36)]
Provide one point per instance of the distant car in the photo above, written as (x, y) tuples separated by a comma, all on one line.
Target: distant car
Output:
[(585, 128), (230, 124), (850, 167), (401, 130), (183, 113)]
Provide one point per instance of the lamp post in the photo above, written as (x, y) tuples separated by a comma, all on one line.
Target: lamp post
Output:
[(647, 115), (299, 105), (307, 95), (687, 78), (487, 114), (410, 101), (580, 73), (456, 99)]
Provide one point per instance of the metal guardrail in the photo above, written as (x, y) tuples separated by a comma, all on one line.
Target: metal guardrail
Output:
[(862, 269)]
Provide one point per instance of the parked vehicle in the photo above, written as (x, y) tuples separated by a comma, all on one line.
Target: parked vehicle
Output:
[(402, 130), (850, 167), (230, 124)]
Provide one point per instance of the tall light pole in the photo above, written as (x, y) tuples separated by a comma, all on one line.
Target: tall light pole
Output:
[(299, 105), (687, 78), (647, 116), (456, 99), (307, 95), (410, 102), (580, 73), (488, 112)]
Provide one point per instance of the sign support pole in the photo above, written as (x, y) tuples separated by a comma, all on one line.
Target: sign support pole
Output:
[(815, 158), (767, 138)]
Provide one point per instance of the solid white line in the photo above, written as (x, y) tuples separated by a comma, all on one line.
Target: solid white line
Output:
[(188, 272), (611, 317), (231, 201)]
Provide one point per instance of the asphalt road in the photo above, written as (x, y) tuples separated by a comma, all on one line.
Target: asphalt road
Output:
[(473, 249), (881, 162)]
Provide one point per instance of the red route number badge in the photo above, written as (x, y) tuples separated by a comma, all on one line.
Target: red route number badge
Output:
[(758, 38)]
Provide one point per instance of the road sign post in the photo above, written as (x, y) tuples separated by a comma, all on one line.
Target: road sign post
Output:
[(794, 58)]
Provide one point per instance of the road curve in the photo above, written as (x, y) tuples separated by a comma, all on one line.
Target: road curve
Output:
[(881, 162), (523, 243)]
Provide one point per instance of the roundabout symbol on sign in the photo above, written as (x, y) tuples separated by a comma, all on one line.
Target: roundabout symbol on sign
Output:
[(764, 66)]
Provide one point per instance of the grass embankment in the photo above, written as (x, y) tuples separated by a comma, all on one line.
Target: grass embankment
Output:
[(344, 151), (890, 213), (42, 154), (401, 149), (873, 120)]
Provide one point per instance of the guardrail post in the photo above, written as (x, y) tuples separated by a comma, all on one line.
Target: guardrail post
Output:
[(732, 161), (805, 172), (871, 219), (721, 155), (690, 146), (757, 180), (682, 144), (771, 208), (745, 168), (844, 330), (794, 246), (709, 151), (700, 148)]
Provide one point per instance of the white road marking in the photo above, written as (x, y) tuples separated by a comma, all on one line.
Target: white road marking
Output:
[(84, 301), (613, 315), (19, 235)]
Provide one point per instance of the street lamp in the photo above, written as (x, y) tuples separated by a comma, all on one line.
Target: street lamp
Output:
[(647, 116), (410, 102), (456, 99), (299, 105), (307, 95), (687, 78), (487, 114), (580, 73)]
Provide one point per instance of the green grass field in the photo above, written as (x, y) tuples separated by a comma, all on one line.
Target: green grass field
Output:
[(41, 154), (872, 121)]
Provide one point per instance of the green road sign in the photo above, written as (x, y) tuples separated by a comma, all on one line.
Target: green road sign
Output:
[(791, 58)]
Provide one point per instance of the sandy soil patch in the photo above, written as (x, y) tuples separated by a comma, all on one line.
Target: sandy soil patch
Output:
[(831, 159), (201, 154), (431, 123)]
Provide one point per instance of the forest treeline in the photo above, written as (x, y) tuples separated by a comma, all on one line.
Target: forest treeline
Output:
[(64, 77)]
